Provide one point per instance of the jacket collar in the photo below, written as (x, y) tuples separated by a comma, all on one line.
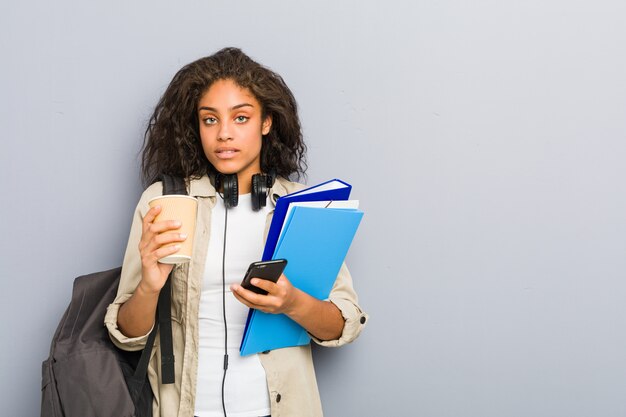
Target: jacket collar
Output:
[(278, 190), (201, 187)]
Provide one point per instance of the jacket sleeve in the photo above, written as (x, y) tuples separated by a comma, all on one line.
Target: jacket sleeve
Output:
[(345, 298), (131, 275)]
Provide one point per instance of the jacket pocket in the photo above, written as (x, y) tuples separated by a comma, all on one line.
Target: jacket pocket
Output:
[(179, 292)]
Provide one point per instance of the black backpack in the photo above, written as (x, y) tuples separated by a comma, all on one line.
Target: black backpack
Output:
[(86, 374)]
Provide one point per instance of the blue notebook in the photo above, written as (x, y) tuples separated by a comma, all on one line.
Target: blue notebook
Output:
[(315, 242), (330, 190)]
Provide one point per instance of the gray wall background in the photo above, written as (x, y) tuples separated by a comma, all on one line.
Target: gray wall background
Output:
[(485, 139)]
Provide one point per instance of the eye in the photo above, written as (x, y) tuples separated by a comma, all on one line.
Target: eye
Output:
[(241, 119), (209, 120)]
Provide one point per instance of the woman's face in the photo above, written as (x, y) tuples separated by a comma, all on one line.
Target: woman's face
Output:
[(231, 130)]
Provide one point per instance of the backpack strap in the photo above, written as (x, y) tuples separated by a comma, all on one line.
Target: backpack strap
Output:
[(171, 185), (138, 378), (165, 322), (163, 319)]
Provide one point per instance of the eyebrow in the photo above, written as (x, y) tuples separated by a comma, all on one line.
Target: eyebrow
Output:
[(238, 106)]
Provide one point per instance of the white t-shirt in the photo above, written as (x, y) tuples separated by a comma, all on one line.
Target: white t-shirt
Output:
[(245, 393)]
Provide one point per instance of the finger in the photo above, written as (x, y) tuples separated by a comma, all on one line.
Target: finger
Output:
[(243, 300), (153, 230), (153, 257), (165, 238), (164, 251), (264, 284), (149, 218), (151, 214), (151, 242), (250, 297), (164, 226), (261, 307)]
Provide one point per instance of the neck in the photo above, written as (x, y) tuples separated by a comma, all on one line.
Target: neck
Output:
[(245, 184)]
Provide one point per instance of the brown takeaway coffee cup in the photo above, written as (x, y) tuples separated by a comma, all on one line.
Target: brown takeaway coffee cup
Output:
[(182, 208)]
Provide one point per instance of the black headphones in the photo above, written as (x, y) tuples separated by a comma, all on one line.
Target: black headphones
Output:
[(261, 184)]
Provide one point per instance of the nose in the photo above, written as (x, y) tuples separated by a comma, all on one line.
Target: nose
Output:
[(225, 132)]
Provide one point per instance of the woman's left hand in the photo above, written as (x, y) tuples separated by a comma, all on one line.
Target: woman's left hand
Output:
[(281, 296), (320, 318)]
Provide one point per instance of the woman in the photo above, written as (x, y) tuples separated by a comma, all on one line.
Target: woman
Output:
[(224, 117)]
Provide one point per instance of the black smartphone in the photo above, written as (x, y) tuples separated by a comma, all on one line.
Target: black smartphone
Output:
[(269, 270)]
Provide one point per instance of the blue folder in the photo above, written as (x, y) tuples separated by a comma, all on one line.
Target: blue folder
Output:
[(320, 192), (315, 242)]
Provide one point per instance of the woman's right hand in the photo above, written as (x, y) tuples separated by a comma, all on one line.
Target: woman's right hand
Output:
[(151, 247)]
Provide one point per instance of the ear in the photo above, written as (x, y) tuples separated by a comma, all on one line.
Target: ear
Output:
[(266, 126)]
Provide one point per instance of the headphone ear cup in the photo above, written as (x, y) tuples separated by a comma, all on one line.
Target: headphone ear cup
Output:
[(230, 189), (259, 191)]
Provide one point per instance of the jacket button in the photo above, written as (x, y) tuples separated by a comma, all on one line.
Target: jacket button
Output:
[(278, 397), (363, 319)]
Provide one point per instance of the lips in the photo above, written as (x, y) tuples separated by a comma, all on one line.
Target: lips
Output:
[(226, 153)]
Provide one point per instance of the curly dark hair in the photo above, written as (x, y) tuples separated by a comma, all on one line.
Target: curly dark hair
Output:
[(172, 140)]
